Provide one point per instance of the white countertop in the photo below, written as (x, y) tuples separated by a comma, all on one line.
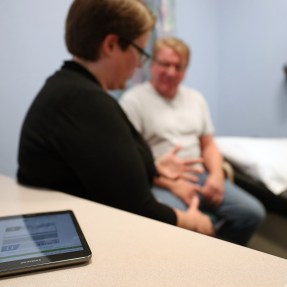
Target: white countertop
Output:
[(129, 250)]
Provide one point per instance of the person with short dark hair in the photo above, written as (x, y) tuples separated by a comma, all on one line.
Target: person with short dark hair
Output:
[(77, 139)]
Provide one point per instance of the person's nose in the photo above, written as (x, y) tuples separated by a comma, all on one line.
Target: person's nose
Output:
[(171, 70)]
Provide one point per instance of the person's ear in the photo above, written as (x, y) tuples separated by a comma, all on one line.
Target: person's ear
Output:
[(109, 44)]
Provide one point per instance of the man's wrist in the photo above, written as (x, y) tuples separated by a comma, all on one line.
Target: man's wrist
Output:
[(217, 173)]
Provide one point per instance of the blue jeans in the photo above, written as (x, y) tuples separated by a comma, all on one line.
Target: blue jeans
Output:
[(235, 219)]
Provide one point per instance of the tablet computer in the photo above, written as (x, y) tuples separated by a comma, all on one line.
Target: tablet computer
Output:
[(42, 240)]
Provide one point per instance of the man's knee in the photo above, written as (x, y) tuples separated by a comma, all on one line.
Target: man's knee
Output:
[(255, 213), (260, 212)]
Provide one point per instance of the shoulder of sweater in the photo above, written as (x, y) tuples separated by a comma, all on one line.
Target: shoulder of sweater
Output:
[(76, 89)]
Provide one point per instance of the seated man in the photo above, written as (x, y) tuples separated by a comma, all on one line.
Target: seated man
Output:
[(167, 114)]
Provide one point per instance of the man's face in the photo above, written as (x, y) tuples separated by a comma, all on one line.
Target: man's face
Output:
[(167, 71)]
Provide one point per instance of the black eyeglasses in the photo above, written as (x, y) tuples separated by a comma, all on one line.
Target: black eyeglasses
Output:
[(143, 55)]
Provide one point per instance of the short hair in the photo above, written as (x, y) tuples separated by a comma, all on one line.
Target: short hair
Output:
[(177, 45), (90, 21)]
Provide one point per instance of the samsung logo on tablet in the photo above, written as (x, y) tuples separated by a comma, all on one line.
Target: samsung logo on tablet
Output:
[(31, 261)]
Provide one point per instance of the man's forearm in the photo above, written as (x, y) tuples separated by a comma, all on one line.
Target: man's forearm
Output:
[(212, 159)]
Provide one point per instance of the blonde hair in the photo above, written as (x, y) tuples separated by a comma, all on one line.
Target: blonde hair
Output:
[(177, 45)]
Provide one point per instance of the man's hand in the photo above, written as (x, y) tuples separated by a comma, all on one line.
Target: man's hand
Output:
[(198, 221), (213, 189), (185, 190), (171, 166)]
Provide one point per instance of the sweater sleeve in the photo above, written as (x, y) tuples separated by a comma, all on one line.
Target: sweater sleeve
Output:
[(98, 145)]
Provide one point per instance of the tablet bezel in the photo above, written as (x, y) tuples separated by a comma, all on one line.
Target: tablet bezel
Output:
[(47, 261)]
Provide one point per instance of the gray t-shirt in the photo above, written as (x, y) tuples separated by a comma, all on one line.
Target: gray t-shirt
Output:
[(165, 123)]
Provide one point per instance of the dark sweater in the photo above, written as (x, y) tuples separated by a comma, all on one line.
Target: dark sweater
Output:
[(76, 139)]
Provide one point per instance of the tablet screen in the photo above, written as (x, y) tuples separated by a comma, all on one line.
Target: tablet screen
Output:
[(41, 240)]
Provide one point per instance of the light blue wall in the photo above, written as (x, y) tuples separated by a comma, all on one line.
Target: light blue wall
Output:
[(239, 48), (197, 24), (253, 51), (31, 48)]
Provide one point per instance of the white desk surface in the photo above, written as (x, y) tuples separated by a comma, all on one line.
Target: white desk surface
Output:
[(129, 250)]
